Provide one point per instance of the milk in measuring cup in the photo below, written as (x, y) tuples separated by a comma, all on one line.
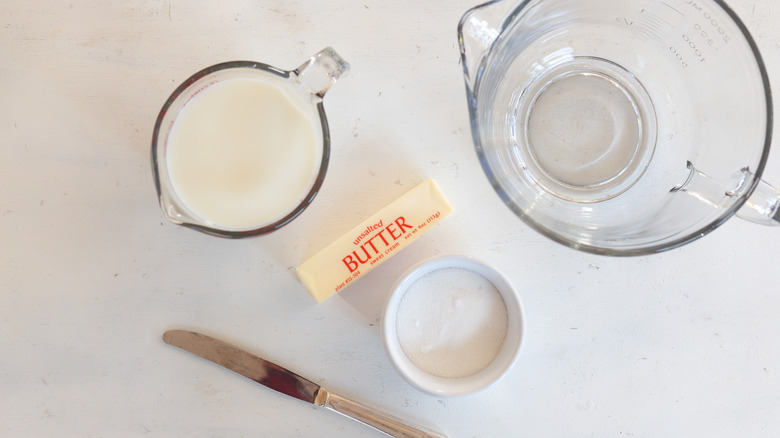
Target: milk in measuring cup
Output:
[(244, 152)]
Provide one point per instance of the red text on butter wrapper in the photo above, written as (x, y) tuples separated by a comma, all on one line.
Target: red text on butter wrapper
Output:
[(373, 250), (377, 244)]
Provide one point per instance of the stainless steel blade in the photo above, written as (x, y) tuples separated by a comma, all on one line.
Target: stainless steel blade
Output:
[(260, 370), (285, 381)]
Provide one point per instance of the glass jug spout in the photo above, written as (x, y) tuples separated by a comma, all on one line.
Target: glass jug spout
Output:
[(477, 31)]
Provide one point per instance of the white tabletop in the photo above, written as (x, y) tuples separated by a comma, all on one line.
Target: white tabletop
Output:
[(684, 343)]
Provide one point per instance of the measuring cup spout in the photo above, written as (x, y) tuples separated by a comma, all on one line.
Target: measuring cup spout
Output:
[(477, 31), (321, 71)]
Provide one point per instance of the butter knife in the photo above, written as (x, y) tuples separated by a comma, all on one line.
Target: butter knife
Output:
[(285, 381)]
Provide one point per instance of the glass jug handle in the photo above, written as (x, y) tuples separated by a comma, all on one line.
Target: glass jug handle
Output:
[(761, 207), (321, 71), (477, 31)]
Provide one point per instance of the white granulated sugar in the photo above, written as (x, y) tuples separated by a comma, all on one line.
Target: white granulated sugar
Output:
[(452, 322)]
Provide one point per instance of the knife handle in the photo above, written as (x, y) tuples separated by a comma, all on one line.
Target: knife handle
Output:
[(370, 417)]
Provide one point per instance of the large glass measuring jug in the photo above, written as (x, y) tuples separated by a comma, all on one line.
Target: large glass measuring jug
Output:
[(241, 148), (620, 127)]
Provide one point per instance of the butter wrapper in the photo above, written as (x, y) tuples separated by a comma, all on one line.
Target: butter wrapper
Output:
[(373, 241)]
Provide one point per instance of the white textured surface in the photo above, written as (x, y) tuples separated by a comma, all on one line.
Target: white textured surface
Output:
[(679, 344)]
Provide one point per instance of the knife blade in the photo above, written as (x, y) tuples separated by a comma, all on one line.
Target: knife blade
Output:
[(287, 382)]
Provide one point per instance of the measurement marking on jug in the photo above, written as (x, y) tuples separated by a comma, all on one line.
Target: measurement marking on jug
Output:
[(693, 47), (655, 21), (711, 20), (707, 39), (679, 56), (647, 27), (672, 8), (649, 34)]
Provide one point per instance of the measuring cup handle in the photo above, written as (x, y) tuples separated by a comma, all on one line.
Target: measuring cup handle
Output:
[(763, 206), (321, 71)]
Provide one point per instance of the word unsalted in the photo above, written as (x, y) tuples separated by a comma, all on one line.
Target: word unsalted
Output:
[(373, 241)]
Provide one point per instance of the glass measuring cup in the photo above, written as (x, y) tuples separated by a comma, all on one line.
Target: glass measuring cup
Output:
[(241, 148), (620, 127)]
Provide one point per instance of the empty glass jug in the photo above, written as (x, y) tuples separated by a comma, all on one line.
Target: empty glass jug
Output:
[(620, 127)]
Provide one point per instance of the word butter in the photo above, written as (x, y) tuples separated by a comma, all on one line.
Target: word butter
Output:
[(375, 240)]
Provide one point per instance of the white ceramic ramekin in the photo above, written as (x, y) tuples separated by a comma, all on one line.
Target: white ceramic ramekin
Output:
[(442, 386)]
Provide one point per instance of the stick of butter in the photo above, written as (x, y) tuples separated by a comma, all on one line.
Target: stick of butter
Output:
[(373, 241)]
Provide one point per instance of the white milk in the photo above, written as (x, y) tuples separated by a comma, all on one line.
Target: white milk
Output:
[(452, 322), (244, 152)]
